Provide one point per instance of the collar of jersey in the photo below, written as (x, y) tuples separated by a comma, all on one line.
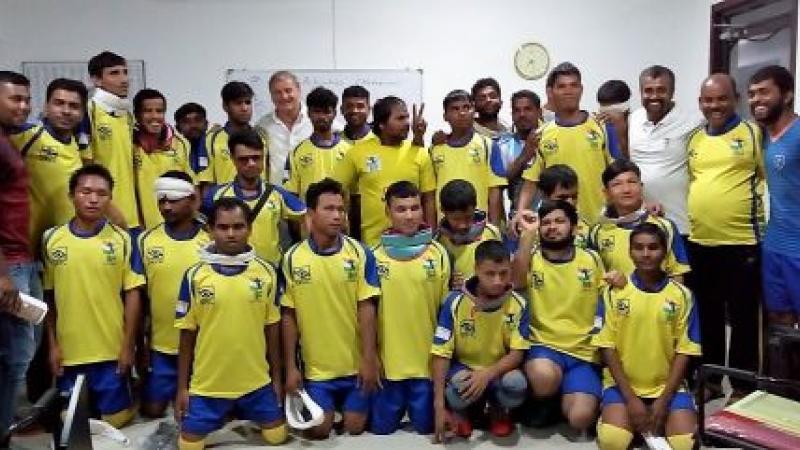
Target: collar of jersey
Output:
[(572, 124), (628, 222), (84, 234), (462, 143), (237, 190), (470, 289), (474, 233), (361, 133), (315, 140), (326, 252), (49, 128), (637, 282), (732, 123), (197, 226)]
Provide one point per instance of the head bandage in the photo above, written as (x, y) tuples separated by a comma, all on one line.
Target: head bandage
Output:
[(172, 188), (615, 108)]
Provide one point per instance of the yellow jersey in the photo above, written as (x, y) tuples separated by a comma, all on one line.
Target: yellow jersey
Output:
[(311, 162), (563, 301), (324, 289), (87, 272), (162, 257), (647, 329), (150, 166), (582, 147), (50, 163), (229, 307), (111, 146), (411, 293), (220, 169), (280, 204), (470, 162), (463, 256), (369, 168), (366, 137), (726, 185), (478, 338), (612, 241)]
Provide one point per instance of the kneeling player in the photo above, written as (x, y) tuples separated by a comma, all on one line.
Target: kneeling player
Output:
[(229, 321), (650, 328), (564, 282), (478, 346)]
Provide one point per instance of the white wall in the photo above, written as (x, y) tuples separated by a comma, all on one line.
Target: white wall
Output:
[(187, 44)]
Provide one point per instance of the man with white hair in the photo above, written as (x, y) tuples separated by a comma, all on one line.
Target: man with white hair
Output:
[(287, 125), (164, 254)]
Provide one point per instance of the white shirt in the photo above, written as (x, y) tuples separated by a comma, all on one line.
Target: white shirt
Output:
[(282, 141), (660, 152)]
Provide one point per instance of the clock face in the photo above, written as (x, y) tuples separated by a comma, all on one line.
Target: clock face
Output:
[(531, 61)]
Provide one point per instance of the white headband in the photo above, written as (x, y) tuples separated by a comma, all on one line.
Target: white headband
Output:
[(616, 107), (172, 188)]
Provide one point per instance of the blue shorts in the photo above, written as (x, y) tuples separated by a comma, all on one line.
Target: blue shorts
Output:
[(577, 375), (389, 404), (110, 392), (161, 382), (207, 414), (781, 277), (338, 393), (681, 399)]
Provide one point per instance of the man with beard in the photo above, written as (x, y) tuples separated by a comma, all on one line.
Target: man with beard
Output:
[(488, 101), (191, 121), (771, 96), (513, 152), (726, 216), (355, 110), (563, 283), (657, 137), (575, 139)]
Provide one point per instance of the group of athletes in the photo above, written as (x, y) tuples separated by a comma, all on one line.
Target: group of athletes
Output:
[(385, 278)]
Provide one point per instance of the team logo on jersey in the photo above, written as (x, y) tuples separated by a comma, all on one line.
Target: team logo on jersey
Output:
[(104, 132), (607, 244), (585, 277), (537, 279), (301, 274), (383, 270), (429, 265), (509, 320), (306, 160), (466, 328), (110, 252), (270, 204), (474, 154), (155, 255), (438, 160), (206, 295), (48, 154), (670, 309), (779, 161), (623, 307), (373, 163), (349, 267), (59, 255), (339, 155), (593, 137), (737, 146), (257, 288), (550, 146)]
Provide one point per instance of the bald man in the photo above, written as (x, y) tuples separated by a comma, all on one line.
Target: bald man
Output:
[(726, 216)]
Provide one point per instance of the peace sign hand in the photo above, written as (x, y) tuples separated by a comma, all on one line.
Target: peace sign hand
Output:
[(418, 125)]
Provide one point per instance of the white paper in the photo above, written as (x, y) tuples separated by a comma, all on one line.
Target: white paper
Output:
[(33, 310)]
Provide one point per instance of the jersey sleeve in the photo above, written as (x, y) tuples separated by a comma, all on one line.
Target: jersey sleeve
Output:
[(427, 177), (207, 175), (273, 313), (369, 283), (137, 255), (287, 297), (131, 279), (293, 208), (520, 335), (185, 316), (495, 172), (604, 322), (688, 329), (47, 276), (677, 262), (612, 141), (447, 272), (291, 177), (535, 169), (345, 172), (443, 337)]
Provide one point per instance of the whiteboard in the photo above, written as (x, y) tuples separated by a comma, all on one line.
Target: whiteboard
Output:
[(41, 73), (403, 83)]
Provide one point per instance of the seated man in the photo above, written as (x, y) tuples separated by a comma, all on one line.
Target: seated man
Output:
[(563, 283), (625, 210), (478, 346), (648, 330), (230, 334), (463, 228)]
